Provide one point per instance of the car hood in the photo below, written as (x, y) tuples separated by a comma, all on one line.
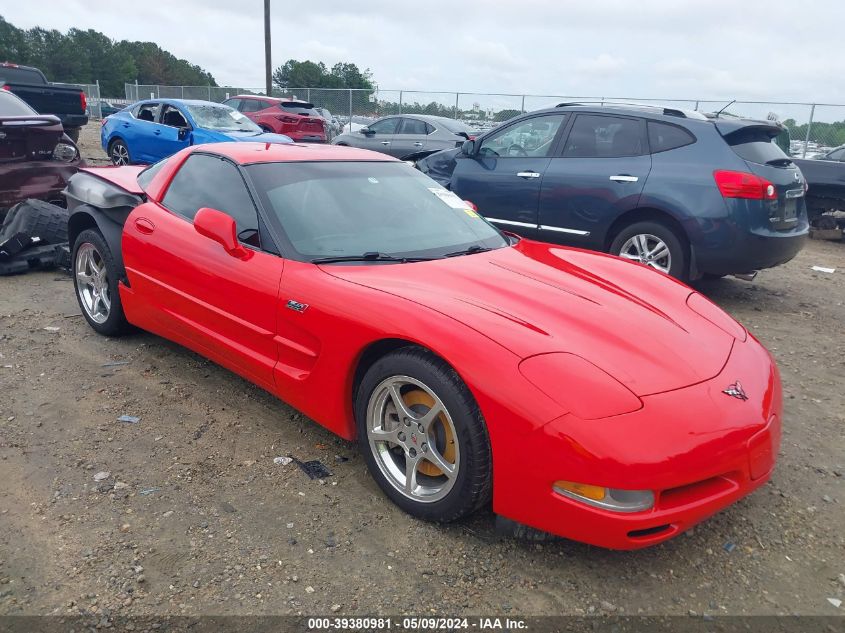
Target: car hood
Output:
[(210, 136), (533, 298)]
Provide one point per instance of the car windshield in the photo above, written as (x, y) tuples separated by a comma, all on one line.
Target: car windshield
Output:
[(347, 209), (221, 118)]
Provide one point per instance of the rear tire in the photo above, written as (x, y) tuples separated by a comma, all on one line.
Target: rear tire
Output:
[(73, 134), (403, 448), (655, 244), (95, 279)]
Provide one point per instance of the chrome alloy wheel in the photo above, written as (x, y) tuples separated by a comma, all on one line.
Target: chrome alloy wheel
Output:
[(649, 250), (92, 283), (413, 439), (119, 154)]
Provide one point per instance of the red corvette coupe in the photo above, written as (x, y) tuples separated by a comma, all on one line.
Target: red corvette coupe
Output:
[(582, 394)]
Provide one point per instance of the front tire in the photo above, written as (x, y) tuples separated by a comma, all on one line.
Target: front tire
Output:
[(119, 153), (95, 279), (423, 436), (654, 244)]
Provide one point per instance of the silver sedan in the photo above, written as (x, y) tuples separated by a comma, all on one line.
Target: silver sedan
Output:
[(408, 136)]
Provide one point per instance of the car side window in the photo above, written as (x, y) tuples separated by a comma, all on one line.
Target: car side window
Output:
[(171, 117), (599, 136), (147, 112), (429, 128), (412, 126), (838, 154), (385, 126), (531, 137), (235, 104), (211, 181), (250, 105), (663, 137)]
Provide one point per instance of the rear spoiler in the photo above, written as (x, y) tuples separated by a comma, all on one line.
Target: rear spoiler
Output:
[(30, 120), (730, 126)]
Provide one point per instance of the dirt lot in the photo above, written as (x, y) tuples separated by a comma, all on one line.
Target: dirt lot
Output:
[(194, 517)]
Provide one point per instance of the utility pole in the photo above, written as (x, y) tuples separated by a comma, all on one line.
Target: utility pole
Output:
[(268, 66)]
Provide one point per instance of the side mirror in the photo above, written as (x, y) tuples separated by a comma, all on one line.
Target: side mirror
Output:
[(366, 131), (221, 228), (183, 133), (468, 148)]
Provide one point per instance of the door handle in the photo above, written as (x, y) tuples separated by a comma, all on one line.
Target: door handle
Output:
[(417, 144), (385, 142), (144, 225), (157, 132), (624, 178), (528, 174)]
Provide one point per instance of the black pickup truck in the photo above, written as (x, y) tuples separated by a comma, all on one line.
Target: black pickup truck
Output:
[(825, 177), (30, 84)]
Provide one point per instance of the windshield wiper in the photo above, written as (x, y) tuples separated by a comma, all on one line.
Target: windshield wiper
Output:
[(475, 248), (369, 257)]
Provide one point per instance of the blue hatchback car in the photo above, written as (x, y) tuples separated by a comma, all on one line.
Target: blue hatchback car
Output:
[(685, 193), (148, 131)]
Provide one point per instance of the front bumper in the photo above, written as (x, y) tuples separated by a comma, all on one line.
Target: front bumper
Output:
[(698, 449)]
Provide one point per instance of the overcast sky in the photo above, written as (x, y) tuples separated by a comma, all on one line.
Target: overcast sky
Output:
[(751, 49)]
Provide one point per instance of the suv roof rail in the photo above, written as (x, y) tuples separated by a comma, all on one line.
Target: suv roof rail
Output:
[(678, 112)]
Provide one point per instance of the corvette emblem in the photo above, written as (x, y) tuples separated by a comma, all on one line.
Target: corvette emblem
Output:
[(736, 391)]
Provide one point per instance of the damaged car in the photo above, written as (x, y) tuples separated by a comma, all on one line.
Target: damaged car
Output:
[(36, 157), (473, 368)]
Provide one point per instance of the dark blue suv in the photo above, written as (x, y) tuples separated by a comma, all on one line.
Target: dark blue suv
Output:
[(688, 194)]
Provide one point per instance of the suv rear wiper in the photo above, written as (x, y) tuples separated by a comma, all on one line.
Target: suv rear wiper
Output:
[(369, 257), (475, 248)]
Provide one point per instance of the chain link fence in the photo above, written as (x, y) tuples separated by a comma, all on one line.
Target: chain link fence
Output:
[(814, 129)]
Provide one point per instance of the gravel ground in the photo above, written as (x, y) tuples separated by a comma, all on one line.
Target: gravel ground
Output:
[(193, 517)]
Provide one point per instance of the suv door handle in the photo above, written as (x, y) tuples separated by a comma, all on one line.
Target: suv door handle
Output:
[(417, 144), (624, 178), (528, 174), (385, 142)]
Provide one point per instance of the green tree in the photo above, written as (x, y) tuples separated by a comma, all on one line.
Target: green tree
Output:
[(85, 56)]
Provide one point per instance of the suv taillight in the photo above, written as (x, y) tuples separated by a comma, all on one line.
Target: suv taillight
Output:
[(287, 119), (83, 101), (740, 184)]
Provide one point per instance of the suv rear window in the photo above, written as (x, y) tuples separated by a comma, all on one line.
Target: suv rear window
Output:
[(755, 145), (299, 107), (663, 137)]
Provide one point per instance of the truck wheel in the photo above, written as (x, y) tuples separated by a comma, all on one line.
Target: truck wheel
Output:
[(73, 134), (654, 244)]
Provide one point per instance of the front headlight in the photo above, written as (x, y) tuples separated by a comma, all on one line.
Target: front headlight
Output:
[(579, 386), (64, 152), (614, 499)]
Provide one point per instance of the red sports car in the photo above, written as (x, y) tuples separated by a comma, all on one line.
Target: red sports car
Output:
[(582, 394), (296, 119)]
